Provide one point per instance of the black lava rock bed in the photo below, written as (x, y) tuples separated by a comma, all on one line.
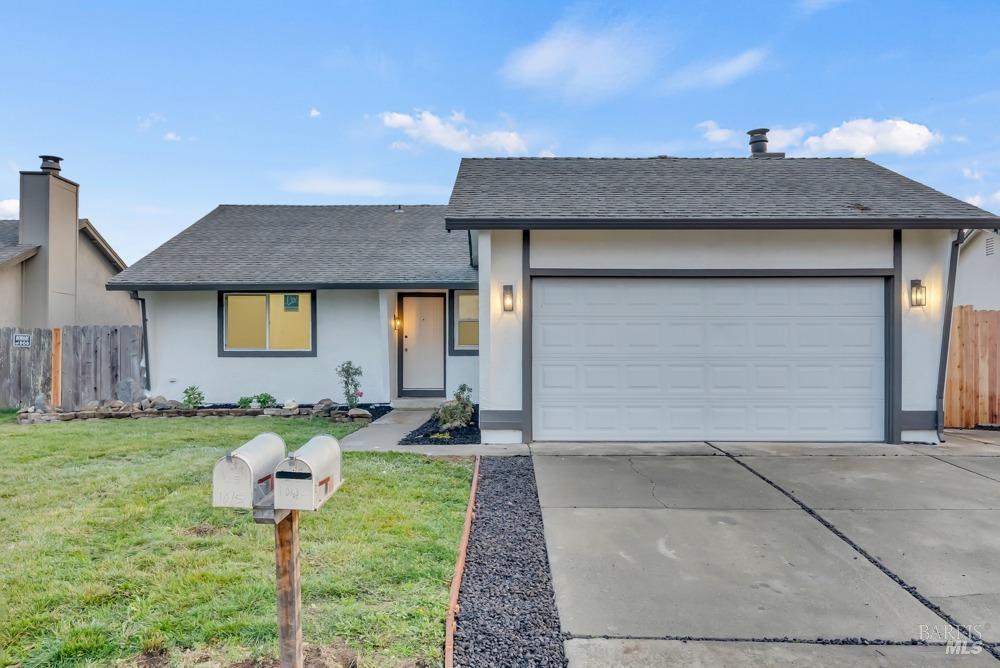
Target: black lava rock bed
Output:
[(465, 436), (507, 610)]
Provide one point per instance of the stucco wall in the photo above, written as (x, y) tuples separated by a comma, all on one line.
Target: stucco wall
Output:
[(979, 274), (728, 249), (351, 324), (10, 296), (94, 304)]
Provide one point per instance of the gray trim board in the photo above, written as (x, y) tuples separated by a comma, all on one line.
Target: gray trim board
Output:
[(853, 223), (452, 323), (263, 353), (894, 351), (949, 305), (526, 342), (501, 419), (288, 287), (917, 420), (707, 273), (400, 392)]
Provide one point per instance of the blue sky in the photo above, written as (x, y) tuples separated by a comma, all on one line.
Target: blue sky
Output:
[(164, 110)]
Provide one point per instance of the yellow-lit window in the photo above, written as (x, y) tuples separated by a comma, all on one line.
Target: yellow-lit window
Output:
[(275, 321), (466, 320)]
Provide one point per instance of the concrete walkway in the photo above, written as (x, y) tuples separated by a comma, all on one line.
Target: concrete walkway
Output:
[(722, 554), (383, 435)]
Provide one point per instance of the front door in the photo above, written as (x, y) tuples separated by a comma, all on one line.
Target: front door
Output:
[(421, 345)]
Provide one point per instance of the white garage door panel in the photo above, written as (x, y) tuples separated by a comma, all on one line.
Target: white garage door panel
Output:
[(703, 359)]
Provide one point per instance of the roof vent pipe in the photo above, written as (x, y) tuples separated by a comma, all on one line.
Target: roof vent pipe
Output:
[(50, 163), (758, 140)]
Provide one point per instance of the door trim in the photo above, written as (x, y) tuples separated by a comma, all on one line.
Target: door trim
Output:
[(400, 392)]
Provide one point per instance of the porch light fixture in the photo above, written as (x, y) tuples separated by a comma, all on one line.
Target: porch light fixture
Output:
[(396, 322), (508, 298), (918, 293)]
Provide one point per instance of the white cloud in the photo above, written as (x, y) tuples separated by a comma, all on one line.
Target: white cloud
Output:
[(454, 135), (719, 73), (812, 6), (9, 207), (973, 173), (581, 63), (314, 112), (171, 136), (546, 153), (866, 136), (714, 133), (320, 182), (149, 120), (975, 200), (778, 139)]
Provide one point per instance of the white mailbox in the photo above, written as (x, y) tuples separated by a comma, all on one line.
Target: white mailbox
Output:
[(244, 477), (307, 478)]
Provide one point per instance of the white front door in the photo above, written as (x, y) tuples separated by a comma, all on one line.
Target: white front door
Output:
[(749, 359), (423, 345)]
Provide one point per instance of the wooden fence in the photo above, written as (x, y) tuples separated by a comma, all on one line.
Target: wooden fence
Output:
[(972, 392), (70, 366)]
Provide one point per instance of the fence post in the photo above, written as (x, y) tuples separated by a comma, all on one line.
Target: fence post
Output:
[(56, 399)]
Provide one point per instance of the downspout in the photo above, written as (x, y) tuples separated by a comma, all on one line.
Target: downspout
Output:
[(134, 294), (949, 305)]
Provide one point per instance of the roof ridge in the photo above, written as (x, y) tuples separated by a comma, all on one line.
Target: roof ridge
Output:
[(664, 157), (333, 206)]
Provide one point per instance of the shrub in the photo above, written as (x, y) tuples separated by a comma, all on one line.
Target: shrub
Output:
[(193, 397), (350, 376), (456, 413), (266, 400), (244, 402)]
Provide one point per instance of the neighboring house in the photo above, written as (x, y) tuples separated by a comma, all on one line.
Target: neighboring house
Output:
[(979, 271), (53, 264), (651, 299)]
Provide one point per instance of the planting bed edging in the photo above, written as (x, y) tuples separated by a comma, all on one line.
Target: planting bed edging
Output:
[(507, 611), (120, 410)]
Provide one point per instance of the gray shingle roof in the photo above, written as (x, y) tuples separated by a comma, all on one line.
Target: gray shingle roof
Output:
[(10, 250), (307, 246), (587, 190)]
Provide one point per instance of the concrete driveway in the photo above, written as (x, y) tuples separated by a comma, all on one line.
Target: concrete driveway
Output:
[(763, 554)]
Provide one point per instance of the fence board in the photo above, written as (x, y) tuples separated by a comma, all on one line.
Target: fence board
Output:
[(78, 363), (972, 388)]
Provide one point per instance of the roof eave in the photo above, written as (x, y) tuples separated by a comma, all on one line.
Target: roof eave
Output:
[(102, 245), (854, 223), (26, 254), (276, 287)]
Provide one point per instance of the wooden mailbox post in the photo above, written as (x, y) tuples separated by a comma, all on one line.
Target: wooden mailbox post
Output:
[(259, 476)]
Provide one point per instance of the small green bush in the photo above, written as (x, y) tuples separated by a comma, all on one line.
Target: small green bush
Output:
[(456, 413), (244, 402), (193, 397), (350, 376), (266, 400)]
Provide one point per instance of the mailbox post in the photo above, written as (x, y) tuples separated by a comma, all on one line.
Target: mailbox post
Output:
[(259, 476)]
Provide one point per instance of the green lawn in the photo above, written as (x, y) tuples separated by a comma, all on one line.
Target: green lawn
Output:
[(112, 552)]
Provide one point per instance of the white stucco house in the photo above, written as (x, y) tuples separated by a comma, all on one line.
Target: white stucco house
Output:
[(652, 299), (54, 264), (978, 282)]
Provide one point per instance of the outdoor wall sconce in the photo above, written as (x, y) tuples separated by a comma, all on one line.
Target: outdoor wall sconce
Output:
[(918, 293), (508, 298), (396, 322)]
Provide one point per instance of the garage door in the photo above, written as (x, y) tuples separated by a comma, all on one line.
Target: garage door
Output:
[(708, 359)]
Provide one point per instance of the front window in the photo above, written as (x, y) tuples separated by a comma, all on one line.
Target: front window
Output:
[(466, 320), (268, 322)]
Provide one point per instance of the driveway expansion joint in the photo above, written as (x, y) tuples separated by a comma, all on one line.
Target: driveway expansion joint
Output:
[(992, 647), (854, 641)]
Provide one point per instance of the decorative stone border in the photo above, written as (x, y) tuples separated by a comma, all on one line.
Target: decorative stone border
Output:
[(121, 410)]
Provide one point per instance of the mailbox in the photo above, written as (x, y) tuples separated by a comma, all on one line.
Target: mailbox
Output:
[(307, 478), (244, 477)]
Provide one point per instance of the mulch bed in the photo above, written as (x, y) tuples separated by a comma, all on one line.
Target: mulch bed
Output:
[(465, 436), (507, 610)]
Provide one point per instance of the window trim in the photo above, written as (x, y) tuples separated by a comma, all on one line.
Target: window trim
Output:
[(222, 352), (453, 349)]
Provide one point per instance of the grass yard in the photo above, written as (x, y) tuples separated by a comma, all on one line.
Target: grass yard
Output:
[(112, 553)]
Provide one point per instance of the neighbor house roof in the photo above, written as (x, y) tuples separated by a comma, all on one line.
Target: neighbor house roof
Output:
[(729, 193), (286, 247), (11, 252)]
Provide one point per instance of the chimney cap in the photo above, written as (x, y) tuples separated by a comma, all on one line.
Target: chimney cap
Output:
[(50, 163), (758, 131)]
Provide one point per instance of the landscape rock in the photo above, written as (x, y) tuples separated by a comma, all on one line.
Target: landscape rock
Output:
[(272, 412), (290, 405), (41, 404), (356, 413)]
